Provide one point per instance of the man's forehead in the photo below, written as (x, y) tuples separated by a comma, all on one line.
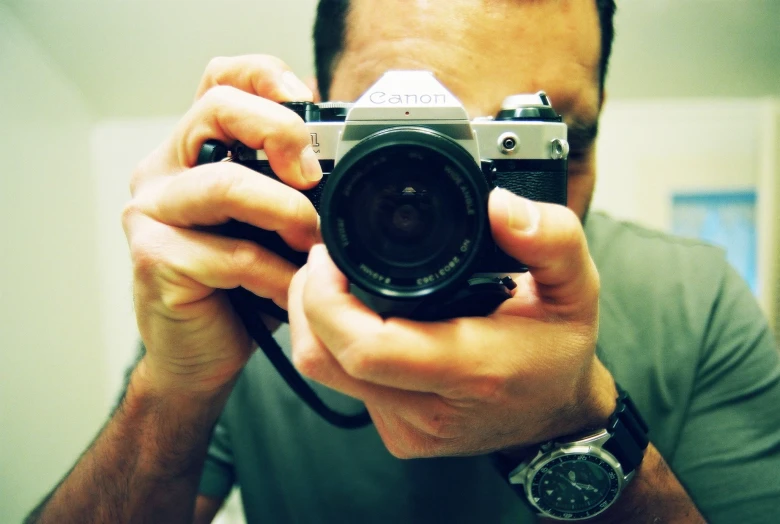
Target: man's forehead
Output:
[(481, 50)]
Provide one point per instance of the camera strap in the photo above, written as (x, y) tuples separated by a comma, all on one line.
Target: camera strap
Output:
[(247, 306)]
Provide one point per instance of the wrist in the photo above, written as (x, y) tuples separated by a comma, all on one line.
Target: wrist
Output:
[(589, 410), (169, 400), (598, 400), (156, 378)]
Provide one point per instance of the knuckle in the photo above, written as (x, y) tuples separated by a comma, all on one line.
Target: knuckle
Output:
[(287, 134), (364, 364), (171, 298), (215, 68), (299, 208), (308, 361), (156, 274), (143, 242), (265, 85), (357, 362), (245, 257), (146, 260), (291, 125), (490, 387), (222, 183), (217, 96), (159, 268), (129, 212), (265, 75), (485, 387)]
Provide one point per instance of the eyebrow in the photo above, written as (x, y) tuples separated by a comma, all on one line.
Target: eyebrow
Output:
[(581, 135)]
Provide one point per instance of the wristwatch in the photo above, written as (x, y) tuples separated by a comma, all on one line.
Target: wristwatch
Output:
[(578, 479)]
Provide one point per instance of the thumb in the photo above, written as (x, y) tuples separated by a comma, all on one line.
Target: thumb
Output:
[(549, 239)]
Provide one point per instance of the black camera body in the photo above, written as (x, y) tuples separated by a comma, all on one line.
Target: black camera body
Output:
[(403, 199)]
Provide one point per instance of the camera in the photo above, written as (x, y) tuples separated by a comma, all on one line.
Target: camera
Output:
[(403, 199)]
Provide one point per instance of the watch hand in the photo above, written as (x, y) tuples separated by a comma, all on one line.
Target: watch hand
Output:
[(568, 481), (583, 486)]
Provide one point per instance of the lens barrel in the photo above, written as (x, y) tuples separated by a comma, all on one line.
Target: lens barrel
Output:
[(404, 213)]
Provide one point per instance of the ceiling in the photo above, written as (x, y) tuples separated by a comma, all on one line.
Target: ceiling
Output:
[(135, 58)]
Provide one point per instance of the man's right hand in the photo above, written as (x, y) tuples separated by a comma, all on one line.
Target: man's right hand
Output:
[(194, 341)]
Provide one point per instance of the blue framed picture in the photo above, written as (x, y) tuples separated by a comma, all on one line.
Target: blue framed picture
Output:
[(726, 219)]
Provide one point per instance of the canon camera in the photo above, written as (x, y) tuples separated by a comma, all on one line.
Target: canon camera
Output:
[(403, 199)]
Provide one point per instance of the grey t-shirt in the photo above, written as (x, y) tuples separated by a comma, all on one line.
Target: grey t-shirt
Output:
[(678, 329)]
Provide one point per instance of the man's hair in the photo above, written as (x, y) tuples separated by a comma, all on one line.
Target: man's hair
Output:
[(330, 27)]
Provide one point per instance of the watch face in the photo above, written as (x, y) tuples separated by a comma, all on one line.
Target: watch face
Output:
[(574, 486)]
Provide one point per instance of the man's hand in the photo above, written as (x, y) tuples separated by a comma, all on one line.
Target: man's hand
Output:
[(194, 341), (524, 374)]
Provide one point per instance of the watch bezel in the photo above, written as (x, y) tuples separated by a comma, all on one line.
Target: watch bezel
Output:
[(529, 475)]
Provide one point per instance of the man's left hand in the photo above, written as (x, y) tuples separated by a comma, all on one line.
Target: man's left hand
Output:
[(524, 374)]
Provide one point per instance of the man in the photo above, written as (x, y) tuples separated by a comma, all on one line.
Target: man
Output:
[(665, 318)]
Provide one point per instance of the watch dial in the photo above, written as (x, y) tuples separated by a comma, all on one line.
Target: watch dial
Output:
[(574, 486)]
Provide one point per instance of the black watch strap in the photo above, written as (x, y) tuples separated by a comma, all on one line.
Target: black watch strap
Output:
[(629, 433)]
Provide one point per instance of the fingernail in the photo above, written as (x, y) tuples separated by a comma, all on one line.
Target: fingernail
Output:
[(522, 214), (310, 165), (296, 89)]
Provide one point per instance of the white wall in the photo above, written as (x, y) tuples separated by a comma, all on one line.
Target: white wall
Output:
[(52, 385)]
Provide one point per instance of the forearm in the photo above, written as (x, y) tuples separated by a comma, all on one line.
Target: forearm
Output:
[(654, 495), (146, 463)]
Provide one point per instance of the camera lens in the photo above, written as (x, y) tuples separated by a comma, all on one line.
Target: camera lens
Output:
[(401, 211), (403, 216), (404, 213)]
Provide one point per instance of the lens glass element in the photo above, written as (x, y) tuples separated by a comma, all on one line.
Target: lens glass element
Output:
[(405, 217), (403, 212)]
